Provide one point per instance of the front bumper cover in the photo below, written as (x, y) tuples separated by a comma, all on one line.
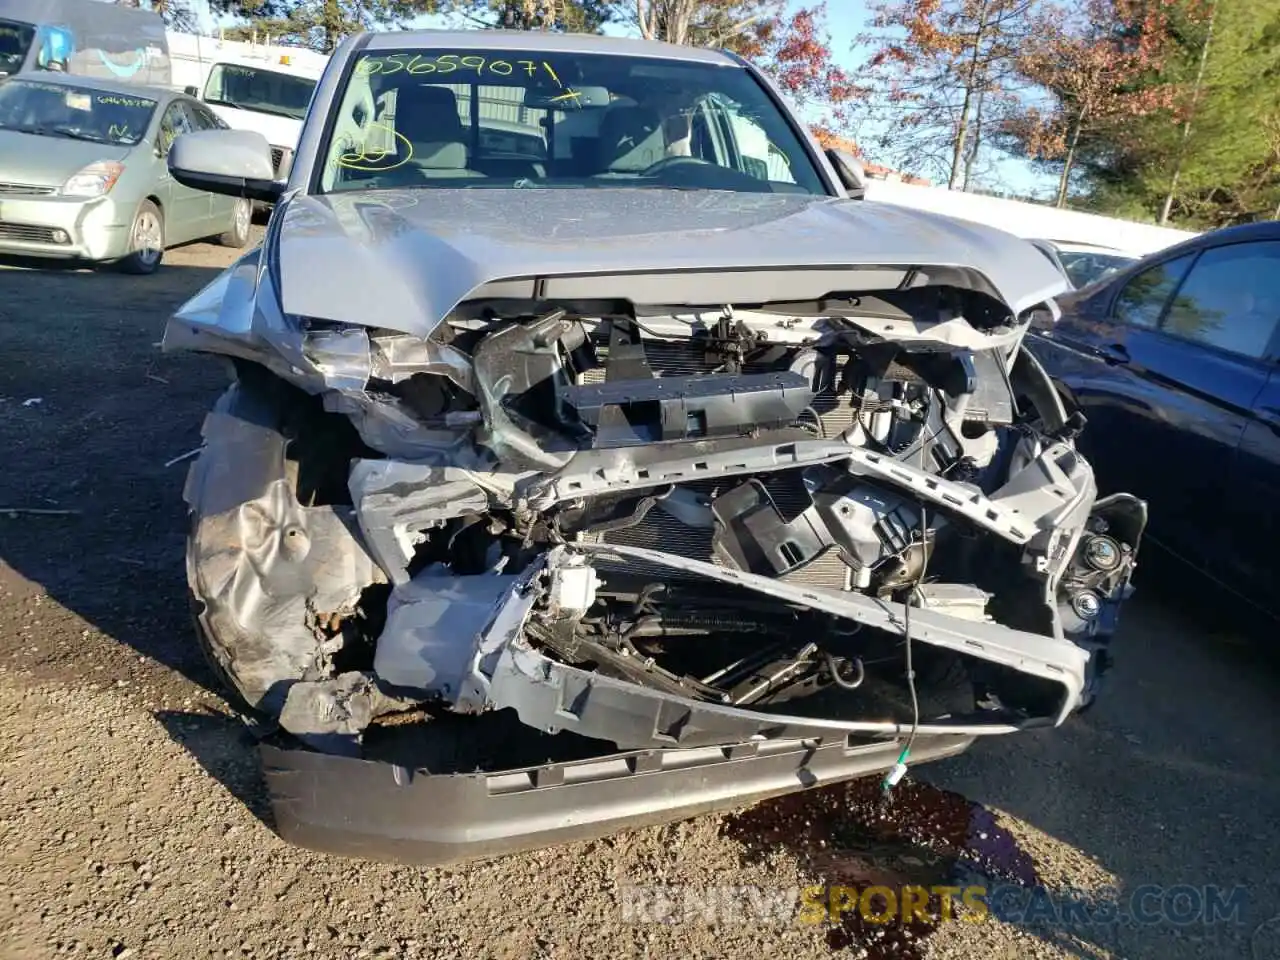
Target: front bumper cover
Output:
[(382, 811), (96, 229)]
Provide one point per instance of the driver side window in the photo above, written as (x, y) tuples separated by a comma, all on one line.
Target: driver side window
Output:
[(173, 124), (1142, 301), (201, 117)]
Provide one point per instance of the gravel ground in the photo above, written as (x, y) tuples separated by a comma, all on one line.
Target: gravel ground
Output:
[(132, 817)]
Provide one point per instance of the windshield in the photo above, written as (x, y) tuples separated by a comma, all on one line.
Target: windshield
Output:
[(15, 41), (511, 118), (73, 112), (1086, 267), (252, 88)]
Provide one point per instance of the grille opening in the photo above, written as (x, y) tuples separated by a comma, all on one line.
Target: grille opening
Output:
[(29, 233), (25, 190)]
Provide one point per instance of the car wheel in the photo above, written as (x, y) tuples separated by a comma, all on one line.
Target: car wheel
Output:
[(146, 240), (241, 219)]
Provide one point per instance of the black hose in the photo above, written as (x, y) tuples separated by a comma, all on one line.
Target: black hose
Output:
[(841, 681)]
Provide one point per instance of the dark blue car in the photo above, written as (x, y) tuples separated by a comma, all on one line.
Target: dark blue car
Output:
[(1174, 363)]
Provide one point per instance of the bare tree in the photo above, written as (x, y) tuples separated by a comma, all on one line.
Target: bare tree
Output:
[(940, 70)]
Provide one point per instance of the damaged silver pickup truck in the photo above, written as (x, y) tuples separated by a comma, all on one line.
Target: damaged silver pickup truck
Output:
[(596, 456)]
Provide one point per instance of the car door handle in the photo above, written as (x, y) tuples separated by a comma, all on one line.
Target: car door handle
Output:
[(1114, 353)]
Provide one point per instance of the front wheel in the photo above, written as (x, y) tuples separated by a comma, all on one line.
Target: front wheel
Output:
[(241, 219), (146, 240)]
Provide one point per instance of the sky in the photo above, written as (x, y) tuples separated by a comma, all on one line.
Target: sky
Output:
[(845, 20)]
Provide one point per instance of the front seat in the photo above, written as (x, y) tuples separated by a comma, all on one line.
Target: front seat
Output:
[(427, 117), (631, 140)]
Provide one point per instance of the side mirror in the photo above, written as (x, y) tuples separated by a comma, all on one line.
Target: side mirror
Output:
[(235, 163), (849, 169), (191, 91)]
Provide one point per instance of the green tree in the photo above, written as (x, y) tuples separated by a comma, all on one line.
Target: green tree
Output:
[(1228, 115), (1210, 159)]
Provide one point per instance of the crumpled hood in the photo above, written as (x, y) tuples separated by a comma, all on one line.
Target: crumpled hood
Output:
[(403, 259)]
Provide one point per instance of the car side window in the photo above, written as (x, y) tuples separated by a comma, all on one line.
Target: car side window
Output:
[(201, 117), (173, 124), (1142, 299), (1230, 300)]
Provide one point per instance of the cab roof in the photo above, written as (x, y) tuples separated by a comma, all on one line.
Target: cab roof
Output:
[(118, 87), (506, 40)]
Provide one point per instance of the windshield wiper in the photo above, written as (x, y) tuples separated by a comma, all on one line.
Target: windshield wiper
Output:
[(274, 113), (80, 135), (256, 108), (58, 132)]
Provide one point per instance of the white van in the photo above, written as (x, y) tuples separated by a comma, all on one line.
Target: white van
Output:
[(251, 86)]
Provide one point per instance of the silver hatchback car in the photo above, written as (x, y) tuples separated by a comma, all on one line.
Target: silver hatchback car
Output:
[(83, 174)]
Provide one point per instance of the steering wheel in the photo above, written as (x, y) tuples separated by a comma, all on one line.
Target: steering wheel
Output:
[(667, 163)]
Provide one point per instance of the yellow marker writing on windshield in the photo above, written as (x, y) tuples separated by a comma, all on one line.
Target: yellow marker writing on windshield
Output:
[(371, 161), (574, 95), (418, 65), (119, 131)]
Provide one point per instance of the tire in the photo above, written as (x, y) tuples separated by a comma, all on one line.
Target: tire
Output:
[(147, 226), (242, 220)]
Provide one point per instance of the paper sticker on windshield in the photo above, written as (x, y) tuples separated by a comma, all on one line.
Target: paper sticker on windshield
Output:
[(79, 101)]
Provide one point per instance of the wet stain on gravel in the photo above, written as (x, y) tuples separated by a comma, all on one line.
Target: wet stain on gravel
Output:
[(850, 839)]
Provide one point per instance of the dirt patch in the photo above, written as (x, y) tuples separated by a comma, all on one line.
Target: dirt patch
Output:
[(91, 411)]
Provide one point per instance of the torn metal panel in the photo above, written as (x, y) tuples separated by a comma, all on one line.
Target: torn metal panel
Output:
[(388, 426), (396, 501), (433, 630), (330, 715), (396, 358), (271, 575)]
